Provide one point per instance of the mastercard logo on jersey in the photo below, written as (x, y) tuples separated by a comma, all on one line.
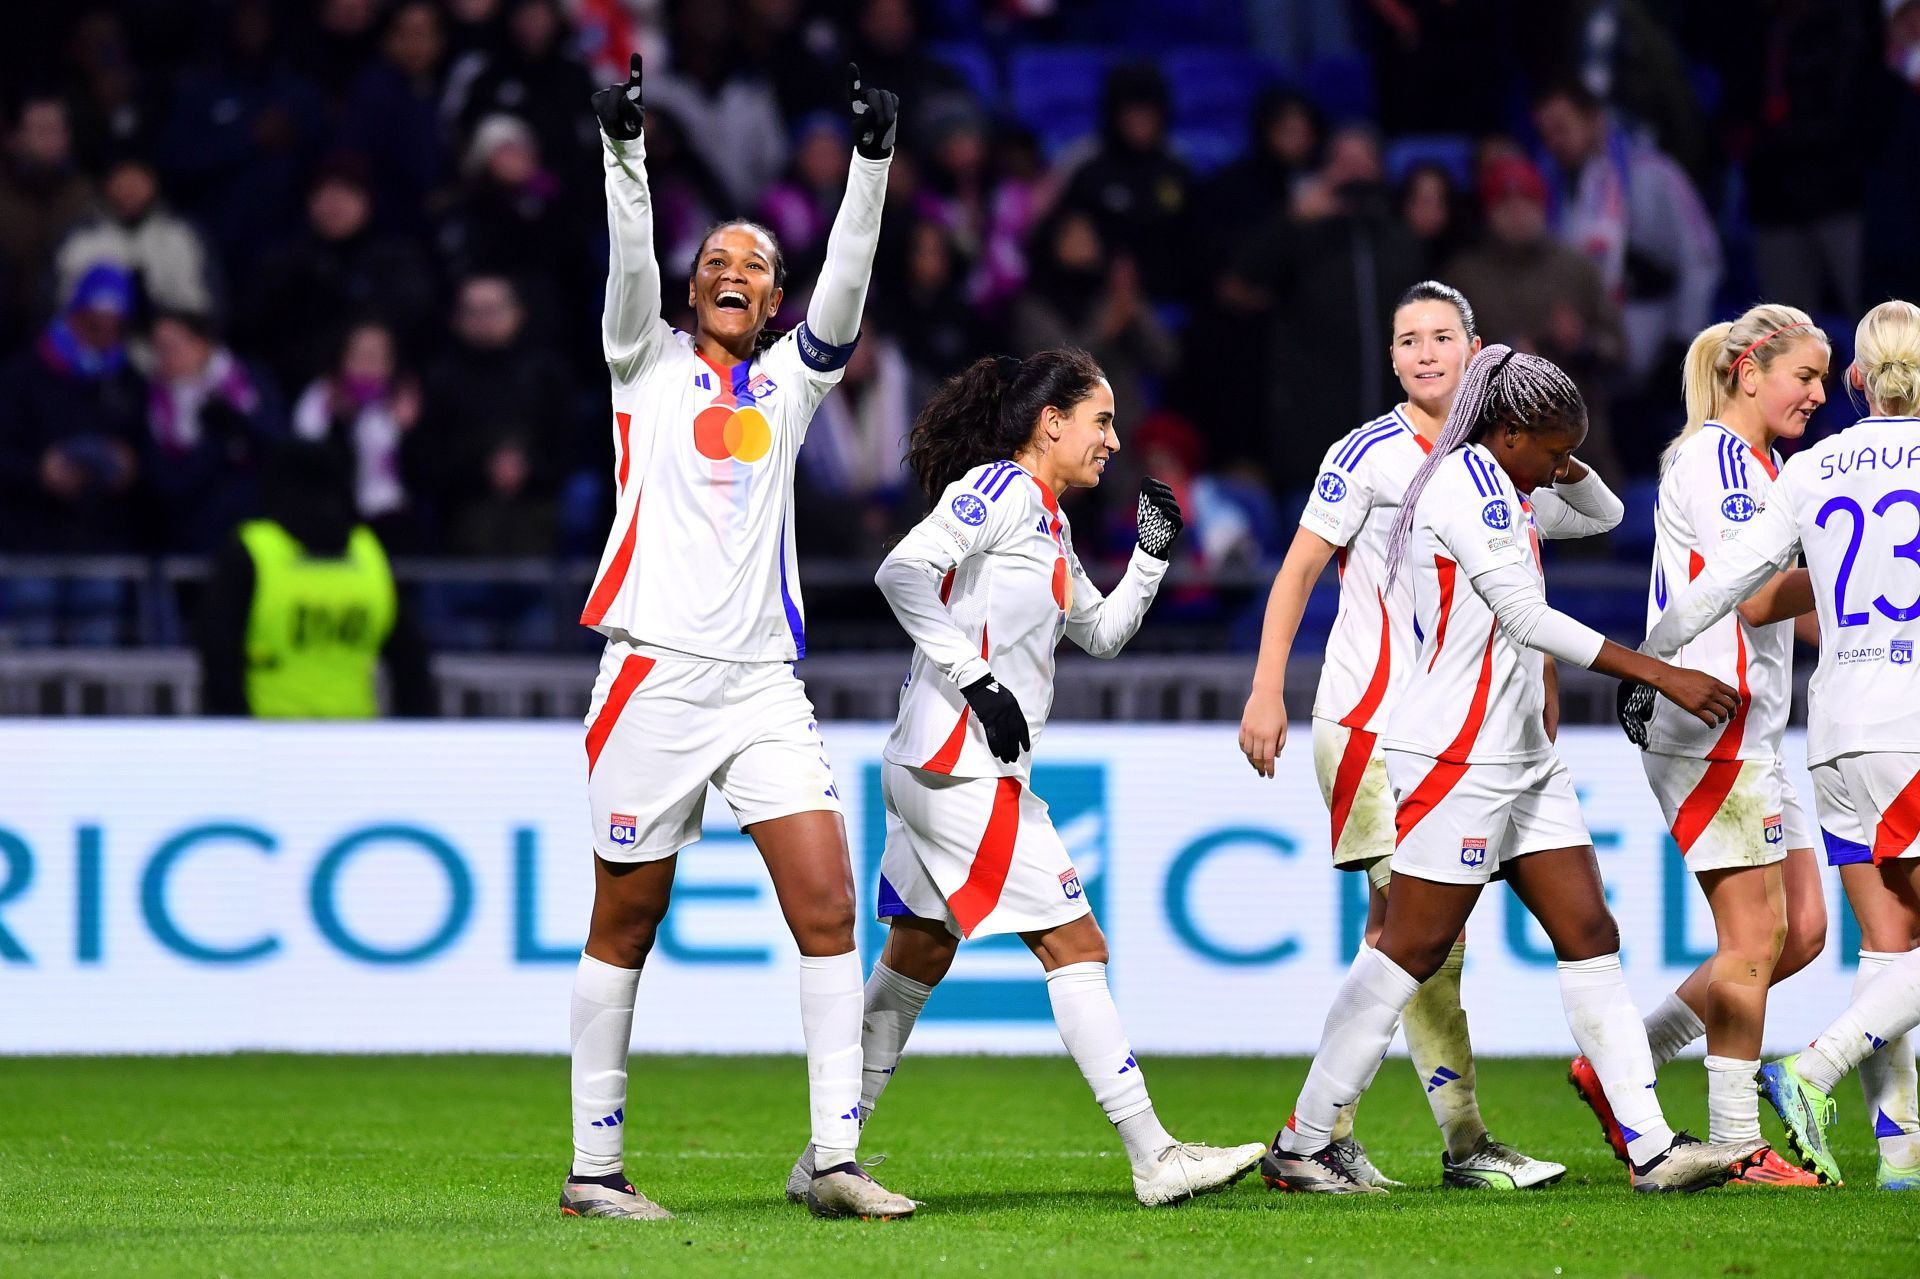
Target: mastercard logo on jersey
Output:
[(743, 435)]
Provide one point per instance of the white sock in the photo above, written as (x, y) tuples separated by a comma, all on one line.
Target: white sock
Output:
[(1671, 1027), (830, 993), (1090, 1027), (1436, 1029), (1887, 1078), (893, 1004), (1733, 1102), (1883, 1009), (601, 1031), (1359, 1028), (1608, 1029)]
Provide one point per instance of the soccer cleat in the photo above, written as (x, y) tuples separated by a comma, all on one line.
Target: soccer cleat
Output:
[(1805, 1112), (1491, 1165), (1894, 1177), (1690, 1164), (1320, 1173), (1767, 1168), (1586, 1081), (1353, 1157), (801, 1177), (1186, 1169), (848, 1190), (612, 1196)]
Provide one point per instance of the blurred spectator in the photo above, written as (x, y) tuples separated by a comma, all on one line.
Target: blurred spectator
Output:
[(1536, 294), (1166, 446), (134, 228), (687, 197), (1795, 103), (344, 38), (1135, 187), (887, 47), (795, 46), (239, 137), (113, 108), (301, 610), (1635, 215), (533, 77), (1436, 215), (496, 426), (361, 410), (1283, 145), (392, 116), (41, 195), (955, 190), (304, 292), (939, 332), (70, 422), (1078, 295), (725, 107), (1419, 49), (1024, 188), (210, 420), (799, 209), (1890, 250), (1313, 290), (851, 472)]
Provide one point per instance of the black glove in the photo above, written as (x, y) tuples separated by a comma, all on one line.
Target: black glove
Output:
[(998, 711), (1159, 518), (619, 107), (1633, 707), (876, 114)]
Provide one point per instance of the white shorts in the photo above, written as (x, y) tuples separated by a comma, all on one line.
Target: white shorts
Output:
[(1353, 781), (1869, 806), (661, 728), (1727, 813), (1460, 823), (978, 854)]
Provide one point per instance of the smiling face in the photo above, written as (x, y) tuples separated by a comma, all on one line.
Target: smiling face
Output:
[(1786, 393), (1078, 441), (1532, 458), (733, 291), (1430, 351)]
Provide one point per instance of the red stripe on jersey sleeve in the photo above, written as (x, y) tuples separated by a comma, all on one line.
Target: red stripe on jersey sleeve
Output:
[(632, 672), (987, 876), (1382, 670), (608, 588), (1697, 810), (624, 421), (1899, 825), (1446, 569)]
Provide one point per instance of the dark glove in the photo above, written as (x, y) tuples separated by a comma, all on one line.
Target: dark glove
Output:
[(1633, 707), (998, 711), (876, 114), (619, 107), (1159, 518)]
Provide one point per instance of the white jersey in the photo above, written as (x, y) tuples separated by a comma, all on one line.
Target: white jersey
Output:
[(701, 556), (988, 582), (1714, 487), (1850, 505), (1474, 695), (1353, 505)]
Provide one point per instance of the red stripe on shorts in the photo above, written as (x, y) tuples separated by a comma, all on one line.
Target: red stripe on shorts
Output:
[(1899, 825), (1703, 801), (1346, 778), (988, 875), (1452, 763), (632, 671)]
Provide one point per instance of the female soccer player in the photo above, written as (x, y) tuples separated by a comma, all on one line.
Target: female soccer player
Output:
[(986, 585), (1725, 792), (697, 598), (1480, 789), (1851, 505), (1368, 659)]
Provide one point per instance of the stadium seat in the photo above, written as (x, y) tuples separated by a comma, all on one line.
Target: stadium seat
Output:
[(974, 65), (1343, 86), (1056, 91), (1214, 88), (1451, 151), (1205, 150)]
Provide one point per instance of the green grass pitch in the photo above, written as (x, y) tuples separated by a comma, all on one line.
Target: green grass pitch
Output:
[(373, 1166)]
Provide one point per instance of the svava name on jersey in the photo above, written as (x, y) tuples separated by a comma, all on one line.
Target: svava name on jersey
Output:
[(1868, 459)]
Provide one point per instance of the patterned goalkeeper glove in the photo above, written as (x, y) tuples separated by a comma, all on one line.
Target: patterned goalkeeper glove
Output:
[(876, 116), (619, 107), (1159, 518), (1000, 716), (1633, 707)]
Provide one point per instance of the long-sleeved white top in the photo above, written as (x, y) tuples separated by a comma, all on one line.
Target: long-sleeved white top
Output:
[(700, 558), (988, 582)]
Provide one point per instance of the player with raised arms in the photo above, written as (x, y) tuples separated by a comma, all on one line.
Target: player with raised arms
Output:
[(986, 585), (1369, 658), (1851, 505), (1724, 791), (697, 598), (1481, 791)]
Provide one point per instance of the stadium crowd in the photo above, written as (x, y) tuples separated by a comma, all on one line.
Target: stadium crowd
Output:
[(378, 224)]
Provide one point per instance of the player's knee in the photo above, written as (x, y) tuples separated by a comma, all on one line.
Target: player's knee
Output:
[(1419, 957), (1589, 937), (827, 928), (627, 941), (1806, 936)]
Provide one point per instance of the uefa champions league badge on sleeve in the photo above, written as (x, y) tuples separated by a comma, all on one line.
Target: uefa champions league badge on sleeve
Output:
[(623, 829), (1495, 514), (1738, 507), (1331, 487), (970, 509)]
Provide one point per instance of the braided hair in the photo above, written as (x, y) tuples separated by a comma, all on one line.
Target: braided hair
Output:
[(1502, 387)]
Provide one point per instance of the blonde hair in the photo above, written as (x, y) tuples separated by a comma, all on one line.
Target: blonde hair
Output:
[(1886, 352), (1763, 334)]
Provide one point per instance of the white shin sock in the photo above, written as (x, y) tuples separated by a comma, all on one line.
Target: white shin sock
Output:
[(893, 1004), (830, 995), (1670, 1028), (601, 1027), (1733, 1102), (1359, 1027), (1611, 1035), (1090, 1027), (1884, 1008)]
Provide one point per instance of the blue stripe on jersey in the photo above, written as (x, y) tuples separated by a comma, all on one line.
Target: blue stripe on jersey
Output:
[(1362, 440), (1477, 468), (1720, 456), (742, 375), (1007, 478), (795, 623), (1737, 450), (1492, 473), (992, 476)]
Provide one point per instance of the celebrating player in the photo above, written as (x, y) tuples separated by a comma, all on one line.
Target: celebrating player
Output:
[(1368, 659), (697, 598), (1724, 792), (1481, 791), (1851, 505), (986, 585)]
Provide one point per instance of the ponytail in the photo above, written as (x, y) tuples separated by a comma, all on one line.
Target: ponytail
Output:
[(1707, 375), (1886, 355), (988, 411)]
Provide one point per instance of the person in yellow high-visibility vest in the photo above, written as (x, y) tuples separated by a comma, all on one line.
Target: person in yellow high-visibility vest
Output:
[(301, 610)]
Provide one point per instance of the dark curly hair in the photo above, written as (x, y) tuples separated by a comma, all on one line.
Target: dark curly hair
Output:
[(988, 411)]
